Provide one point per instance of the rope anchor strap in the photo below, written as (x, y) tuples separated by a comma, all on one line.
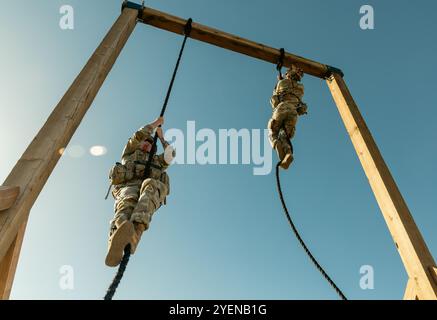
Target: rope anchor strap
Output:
[(299, 238), (280, 63), (126, 256)]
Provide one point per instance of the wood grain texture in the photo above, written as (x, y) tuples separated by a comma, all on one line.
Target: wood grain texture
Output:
[(37, 162), (411, 246), (8, 265), (231, 42), (8, 195)]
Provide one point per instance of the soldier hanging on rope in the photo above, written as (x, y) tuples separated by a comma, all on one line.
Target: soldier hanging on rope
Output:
[(137, 196), (287, 105)]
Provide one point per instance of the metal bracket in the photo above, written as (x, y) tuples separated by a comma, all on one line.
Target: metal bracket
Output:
[(133, 5), (331, 70)]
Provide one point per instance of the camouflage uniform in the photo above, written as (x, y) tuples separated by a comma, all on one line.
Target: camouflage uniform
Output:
[(287, 105), (137, 199)]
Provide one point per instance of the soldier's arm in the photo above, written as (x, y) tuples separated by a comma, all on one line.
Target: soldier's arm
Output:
[(303, 107), (303, 102), (146, 131), (274, 100), (167, 157)]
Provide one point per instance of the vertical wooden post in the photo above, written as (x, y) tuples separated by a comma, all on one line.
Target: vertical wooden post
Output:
[(412, 248), (38, 161), (8, 265)]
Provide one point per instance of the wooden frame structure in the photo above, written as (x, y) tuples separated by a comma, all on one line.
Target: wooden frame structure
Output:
[(23, 185)]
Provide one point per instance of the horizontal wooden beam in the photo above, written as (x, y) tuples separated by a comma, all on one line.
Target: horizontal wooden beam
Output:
[(228, 41)]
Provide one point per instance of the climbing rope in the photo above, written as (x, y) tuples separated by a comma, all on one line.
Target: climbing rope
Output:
[(299, 238), (187, 31), (123, 264), (280, 63), (115, 282)]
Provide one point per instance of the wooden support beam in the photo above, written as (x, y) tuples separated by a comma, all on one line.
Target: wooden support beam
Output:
[(8, 265), (38, 161), (8, 195), (410, 291), (228, 41), (412, 248)]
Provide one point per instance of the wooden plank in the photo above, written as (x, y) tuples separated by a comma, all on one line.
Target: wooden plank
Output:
[(8, 265), (37, 162), (412, 248), (230, 42), (410, 291), (8, 195)]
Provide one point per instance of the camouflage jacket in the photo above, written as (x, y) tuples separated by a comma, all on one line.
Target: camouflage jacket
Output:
[(134, 153), (287, 90)]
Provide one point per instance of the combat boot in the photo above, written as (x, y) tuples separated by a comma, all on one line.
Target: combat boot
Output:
[(288, 159), (118, 240), (139, 228), (280, 151)]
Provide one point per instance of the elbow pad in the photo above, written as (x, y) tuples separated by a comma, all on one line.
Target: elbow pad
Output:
[(169, 154)]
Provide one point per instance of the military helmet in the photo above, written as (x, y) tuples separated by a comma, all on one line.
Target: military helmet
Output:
[(294, 71)]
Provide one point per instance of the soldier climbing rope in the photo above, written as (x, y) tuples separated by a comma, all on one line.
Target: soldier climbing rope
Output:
[(26, 179), (127, 251), (284, 140), (290, 92)]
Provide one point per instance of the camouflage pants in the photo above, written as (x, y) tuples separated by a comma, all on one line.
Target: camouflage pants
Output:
[(282, 127), (138, 201)]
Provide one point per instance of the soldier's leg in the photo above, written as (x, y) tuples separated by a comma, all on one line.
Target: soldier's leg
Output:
[(288, 134), (148, 203), (122, 230), (126, 198), (276, 130), (284, 142), (290, 124), (274, 126)]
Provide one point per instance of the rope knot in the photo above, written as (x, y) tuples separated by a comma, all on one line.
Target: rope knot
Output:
[(188, 27), (280, 61)]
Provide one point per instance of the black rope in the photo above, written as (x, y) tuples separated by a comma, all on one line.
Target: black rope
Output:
[(123, 264), (187, 31), (280, 63), (116, 281), (299, 238)]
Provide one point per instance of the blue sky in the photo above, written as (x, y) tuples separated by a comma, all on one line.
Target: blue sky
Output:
[(223, 234)]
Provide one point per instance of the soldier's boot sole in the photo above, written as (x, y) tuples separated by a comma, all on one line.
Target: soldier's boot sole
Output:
[(118, 241), (285, 163), (139, 228)]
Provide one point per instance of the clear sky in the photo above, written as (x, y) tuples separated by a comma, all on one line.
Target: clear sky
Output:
[(222, 234)]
